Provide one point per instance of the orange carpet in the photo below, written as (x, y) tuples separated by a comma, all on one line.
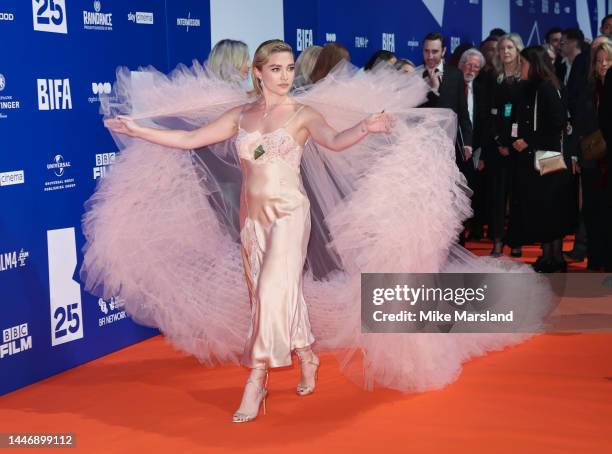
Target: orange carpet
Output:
[(552, 393)]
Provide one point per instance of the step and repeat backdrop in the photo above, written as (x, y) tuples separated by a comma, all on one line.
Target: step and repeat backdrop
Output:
[(58, 56)]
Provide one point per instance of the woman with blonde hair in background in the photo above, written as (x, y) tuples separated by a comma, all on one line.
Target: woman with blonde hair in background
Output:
[(305, 64), (229, 60), (507, 95)]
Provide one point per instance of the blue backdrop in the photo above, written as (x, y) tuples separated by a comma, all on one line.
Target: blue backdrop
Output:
[(59, 55)]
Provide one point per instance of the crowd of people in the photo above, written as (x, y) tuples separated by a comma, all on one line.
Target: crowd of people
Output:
[(512, 103)]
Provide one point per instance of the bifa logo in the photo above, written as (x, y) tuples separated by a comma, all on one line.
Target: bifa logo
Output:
[(14, 259), (15, 340), (304, 38), (54, 94), (50, 16), (388, 42), (64, 292), (96, 20), (103, 163), (11, 178), (330, 37), (9, 17)]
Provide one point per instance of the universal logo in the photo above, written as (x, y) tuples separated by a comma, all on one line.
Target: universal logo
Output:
[(96, 20), (187, 22), (59, 166), (141, 18), (50, 16)]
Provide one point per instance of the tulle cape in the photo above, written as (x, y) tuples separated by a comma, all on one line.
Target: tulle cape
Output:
[(162, 227)]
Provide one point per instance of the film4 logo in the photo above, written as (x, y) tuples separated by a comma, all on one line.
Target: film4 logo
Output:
[(50, 16)]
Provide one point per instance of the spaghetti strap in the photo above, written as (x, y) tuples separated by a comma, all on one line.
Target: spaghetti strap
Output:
[(293, 116)]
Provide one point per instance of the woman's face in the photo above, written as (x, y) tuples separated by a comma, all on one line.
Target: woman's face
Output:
[(392, 61), (602, 63), (407, 68), (507, 51), (525, 69), (277, 73)]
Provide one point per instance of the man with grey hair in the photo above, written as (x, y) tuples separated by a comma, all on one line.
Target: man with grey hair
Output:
[(470, 64)]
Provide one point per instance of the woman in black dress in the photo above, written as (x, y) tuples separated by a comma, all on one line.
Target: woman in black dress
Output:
[(544, 202)]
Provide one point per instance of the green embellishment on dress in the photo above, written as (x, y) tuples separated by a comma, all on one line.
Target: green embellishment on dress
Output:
[(258, 151)]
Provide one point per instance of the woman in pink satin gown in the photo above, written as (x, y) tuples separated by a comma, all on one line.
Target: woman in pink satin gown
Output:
[(274, 210)]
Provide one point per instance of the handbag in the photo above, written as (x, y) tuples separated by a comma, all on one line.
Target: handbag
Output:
[(545, 161), (593, 146)]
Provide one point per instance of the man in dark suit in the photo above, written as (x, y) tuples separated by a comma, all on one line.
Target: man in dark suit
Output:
[(479, 106), (605, 124), (448, 91)]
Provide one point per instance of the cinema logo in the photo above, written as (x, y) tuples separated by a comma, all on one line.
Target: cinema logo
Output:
[(12, 177), (59, 167), (304, 38), (111, 310), (104, 161), (15, 340), (13, 259), (187, 22), (139, 17), (96, 20)]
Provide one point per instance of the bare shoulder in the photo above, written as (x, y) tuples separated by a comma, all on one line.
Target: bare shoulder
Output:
[(309, 113)]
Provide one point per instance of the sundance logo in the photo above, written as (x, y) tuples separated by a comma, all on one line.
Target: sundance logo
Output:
[(141, 18), (11, 178)]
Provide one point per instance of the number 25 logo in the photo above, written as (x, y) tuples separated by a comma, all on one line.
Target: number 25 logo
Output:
[(50, 16)]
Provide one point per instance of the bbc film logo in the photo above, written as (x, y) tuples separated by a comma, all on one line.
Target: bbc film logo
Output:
[(512, 302)]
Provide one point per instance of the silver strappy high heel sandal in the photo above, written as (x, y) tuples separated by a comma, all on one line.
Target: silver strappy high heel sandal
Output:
[(304, 390), (239, 417)]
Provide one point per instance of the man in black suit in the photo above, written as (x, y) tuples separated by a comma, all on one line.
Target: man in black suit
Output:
[(479, 106), (447, 91), (605, 124), (553, 39)]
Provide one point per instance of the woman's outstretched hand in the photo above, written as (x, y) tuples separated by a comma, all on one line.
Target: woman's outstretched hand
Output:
[(122, 125), (380, 122)]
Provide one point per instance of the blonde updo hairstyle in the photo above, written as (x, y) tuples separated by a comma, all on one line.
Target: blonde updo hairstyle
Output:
[(262, 55)]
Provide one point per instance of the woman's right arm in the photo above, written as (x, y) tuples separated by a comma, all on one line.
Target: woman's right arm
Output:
[(219, 130)]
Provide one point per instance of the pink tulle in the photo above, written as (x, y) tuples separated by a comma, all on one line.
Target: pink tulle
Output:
[(161, 231)]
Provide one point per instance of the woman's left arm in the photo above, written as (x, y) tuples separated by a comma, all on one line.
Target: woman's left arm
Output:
[(328, 137)]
